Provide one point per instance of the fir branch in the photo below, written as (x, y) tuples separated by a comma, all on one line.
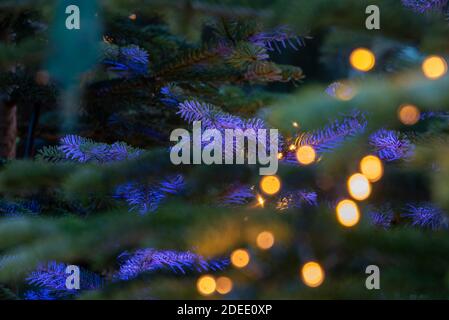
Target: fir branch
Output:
[(263, 71), (19, 208), (422, 6), (426, 215), (381, 217), (245, 54), (46, 294), (150, 260), (51, 154), (212, 117), (129, 61), (272, 40), (188, 59), (237, 195), (53, 276), (391, 145), (296, 199), (331, 136), (147, 198), (84, 150)]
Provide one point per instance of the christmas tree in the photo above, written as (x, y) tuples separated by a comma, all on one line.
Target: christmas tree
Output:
[(91, 93)]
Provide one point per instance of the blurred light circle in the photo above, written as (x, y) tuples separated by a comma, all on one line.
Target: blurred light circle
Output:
[(265, 240), (372, 168), (348, 213), (362, 59), (305, 155), (240, 258), (434, 67), (359, 186), (270, 185), (224, 285), (409, 114), (312, 274), (206, 285)]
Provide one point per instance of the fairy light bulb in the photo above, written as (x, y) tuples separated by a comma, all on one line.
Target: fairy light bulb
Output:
[(372, 168), (359, 186), (434, 67), (305, 155), (224, 285), (362, 59), (132, 16), (265, 240), (348, 213), (312, 274), (240, 258), (408, 114), (270, 185), (260, 200), (206, 285), (295, 124), (292, 147)]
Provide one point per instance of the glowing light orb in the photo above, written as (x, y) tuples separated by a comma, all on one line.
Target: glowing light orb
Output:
[(312, 274), (206, 285), (260, 200), (265, 240), (434, 67), (305, 155), (224, 285), (362, 59), (270, 185), (240, 258), (132, 16), (408, 114), (348, 213), (372, 168), (359, 186)]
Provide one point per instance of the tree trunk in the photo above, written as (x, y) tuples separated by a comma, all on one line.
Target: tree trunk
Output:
[(8, 130)]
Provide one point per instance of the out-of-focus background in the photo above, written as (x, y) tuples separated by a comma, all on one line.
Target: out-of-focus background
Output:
[(90, 92)]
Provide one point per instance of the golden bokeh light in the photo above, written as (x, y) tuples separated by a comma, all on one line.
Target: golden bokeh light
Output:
[(434, 67), (372, 168), (348, 213), (291, 147), (305, 155), (240, 258), (206, 285), (359, 186), (362, 59), (260, 200), (345, 92), (295, 124), (265, 240), (132, 16), (270, 185), (312, 274), (408, 114), (224, 285), (280, 155)]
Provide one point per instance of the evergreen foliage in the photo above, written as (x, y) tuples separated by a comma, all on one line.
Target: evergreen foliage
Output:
[(106, 197)]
